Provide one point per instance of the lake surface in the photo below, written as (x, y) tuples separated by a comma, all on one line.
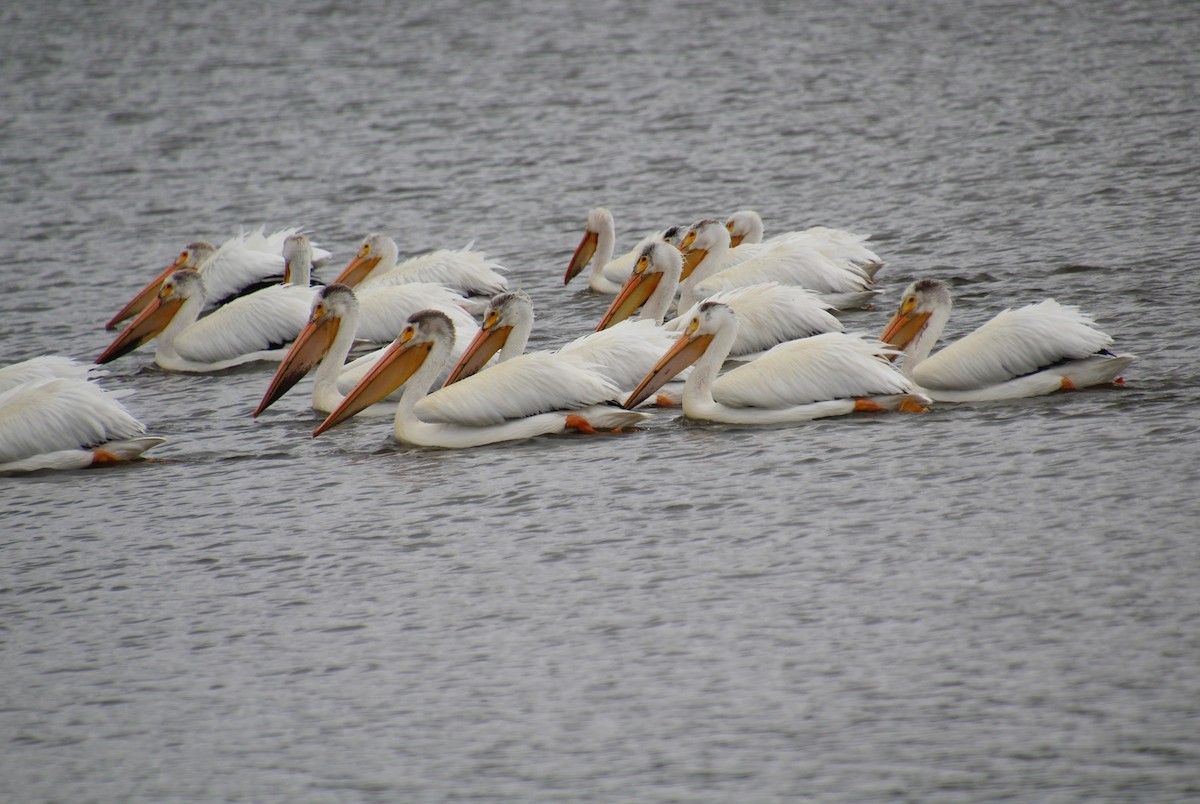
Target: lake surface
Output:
[(986, 602)]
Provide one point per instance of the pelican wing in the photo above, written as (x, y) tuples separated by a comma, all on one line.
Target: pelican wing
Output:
[(1013, 344), (248, 261), (61, 413), (470, 272), (789, 263), (625, 352), (769, 314), (262, 321), (532, 383), (44, 367), (834, 365), (384, 309)]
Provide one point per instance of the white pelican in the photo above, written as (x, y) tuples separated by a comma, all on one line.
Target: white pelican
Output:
[(474, 411), (383, 308), (623, 353), (790, 262), (249, 328), (1029, 351), (243, 264), (608, 275), (825, 375), (471, 274), (767, 314), (746, 228), (46, 367), (330, 333), (66, 422)]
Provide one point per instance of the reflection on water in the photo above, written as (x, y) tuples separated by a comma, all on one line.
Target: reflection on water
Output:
[(985, 600)]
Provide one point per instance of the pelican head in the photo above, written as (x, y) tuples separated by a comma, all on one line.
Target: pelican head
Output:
[(427, 337), (375, 249), (745, 226), (297, 259), (657, 260), (923, 311), (193, 256), (506, 312), (177, 289), (332, 306), (599, 222), (709, 319), (703, 237)]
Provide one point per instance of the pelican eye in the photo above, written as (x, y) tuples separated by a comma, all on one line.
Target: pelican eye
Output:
[(408, 334), (365, 250), (642, 264), (493, 318), (166, 291), (693, 325), (318, 311), (730, 226)]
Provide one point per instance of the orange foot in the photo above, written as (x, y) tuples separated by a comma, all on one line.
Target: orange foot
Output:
[(664, 401), (577, 422), (867, 406), (1067, 385), (1119, 381), (912, 406), (102, 458)]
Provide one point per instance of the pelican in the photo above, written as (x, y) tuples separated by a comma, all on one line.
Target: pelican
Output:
[(825, 375), (599, 238), (469, 273), (767, 314), (65, 422), (623, 353), (331, 331), (384, 307), (473, 411), (46, 367), (244, 263), (790, 262), (1029, 351), (249, 328), (746, 228)]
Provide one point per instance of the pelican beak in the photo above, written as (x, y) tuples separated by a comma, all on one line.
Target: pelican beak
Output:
[(583, 255), (398, 363), (309, 347), (359, 268), (690, 260), (144, 296), (638, 288), (489, 341), (685, 352), (904, 326), (151, 321)]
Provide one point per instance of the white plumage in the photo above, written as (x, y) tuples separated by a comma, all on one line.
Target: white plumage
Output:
[(825, 375), (244, 263), (746, 228), (63, 422), (622, 353), (793, 261), (1029, 351), (249, 328), (768, 314), (419, 355), (331, 331), (608, 275)]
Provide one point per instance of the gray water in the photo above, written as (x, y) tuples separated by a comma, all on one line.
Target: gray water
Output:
[(986, 602)]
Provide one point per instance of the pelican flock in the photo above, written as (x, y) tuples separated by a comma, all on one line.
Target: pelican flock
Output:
[(733, 326)]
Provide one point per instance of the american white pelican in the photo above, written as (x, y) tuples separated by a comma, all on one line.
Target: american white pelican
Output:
[(608, 275), (243, 264), (790, 262), (66, 422), (746, 228), (46, 367), (249, 328), (471, 274), (331, 332), (825, 375), (1029, 351), (767, 314), (474, 411), (623, 353)]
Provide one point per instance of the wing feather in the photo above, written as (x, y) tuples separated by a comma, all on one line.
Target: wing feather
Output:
[(1013, 344), (266, 319), (834, 365), (470, 272), (532, 383), (61, 413)]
